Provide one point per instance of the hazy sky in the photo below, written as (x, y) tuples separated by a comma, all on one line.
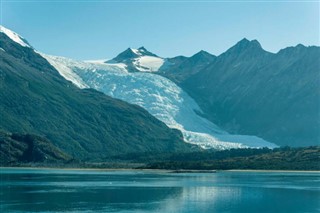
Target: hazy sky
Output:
[(102, 29)]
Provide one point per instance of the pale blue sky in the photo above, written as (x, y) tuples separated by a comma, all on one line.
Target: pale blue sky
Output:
[(102, 29)]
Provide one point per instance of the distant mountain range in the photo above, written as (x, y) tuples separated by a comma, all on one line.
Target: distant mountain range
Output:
[(125, 78), (245, 91)]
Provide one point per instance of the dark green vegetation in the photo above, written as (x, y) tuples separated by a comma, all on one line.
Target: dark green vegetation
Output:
[(84, 124), (286, 158), (247, 90), (35, 151), (25, 148)]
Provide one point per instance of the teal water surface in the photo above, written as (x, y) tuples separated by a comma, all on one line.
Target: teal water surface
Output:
[(51, 190)]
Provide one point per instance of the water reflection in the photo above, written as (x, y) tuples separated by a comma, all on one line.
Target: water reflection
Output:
[(77, 192), (132, 191)]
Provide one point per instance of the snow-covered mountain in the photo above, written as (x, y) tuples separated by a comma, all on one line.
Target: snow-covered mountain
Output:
[(158, 95), (85, 124), (14, 37), (139, 60), (130, 77)]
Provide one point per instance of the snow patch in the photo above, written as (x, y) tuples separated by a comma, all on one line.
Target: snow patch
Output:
[(14, 36), (148, 63), (136, 51), (98, 61), (103, 63)]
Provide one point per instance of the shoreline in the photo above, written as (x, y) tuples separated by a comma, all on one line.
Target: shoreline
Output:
[(85, 169), (261, 170), (161, 170)]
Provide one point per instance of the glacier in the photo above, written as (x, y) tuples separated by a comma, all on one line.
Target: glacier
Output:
[(158, 95)]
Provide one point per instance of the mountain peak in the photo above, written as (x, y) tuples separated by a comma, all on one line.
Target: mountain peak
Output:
[(294, 50), (14, 36), (300, 46), (203, 53), (246, 46), (244, 40), (125, 55), (203, 56), (132, 53), (142, 49), (245, 43)]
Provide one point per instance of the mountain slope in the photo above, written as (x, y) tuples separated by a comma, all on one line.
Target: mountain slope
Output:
[(247, 90), (181, 68), (160, 96), (85, 123)]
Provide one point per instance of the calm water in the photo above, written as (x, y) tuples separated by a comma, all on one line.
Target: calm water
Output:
[(41, 190)]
